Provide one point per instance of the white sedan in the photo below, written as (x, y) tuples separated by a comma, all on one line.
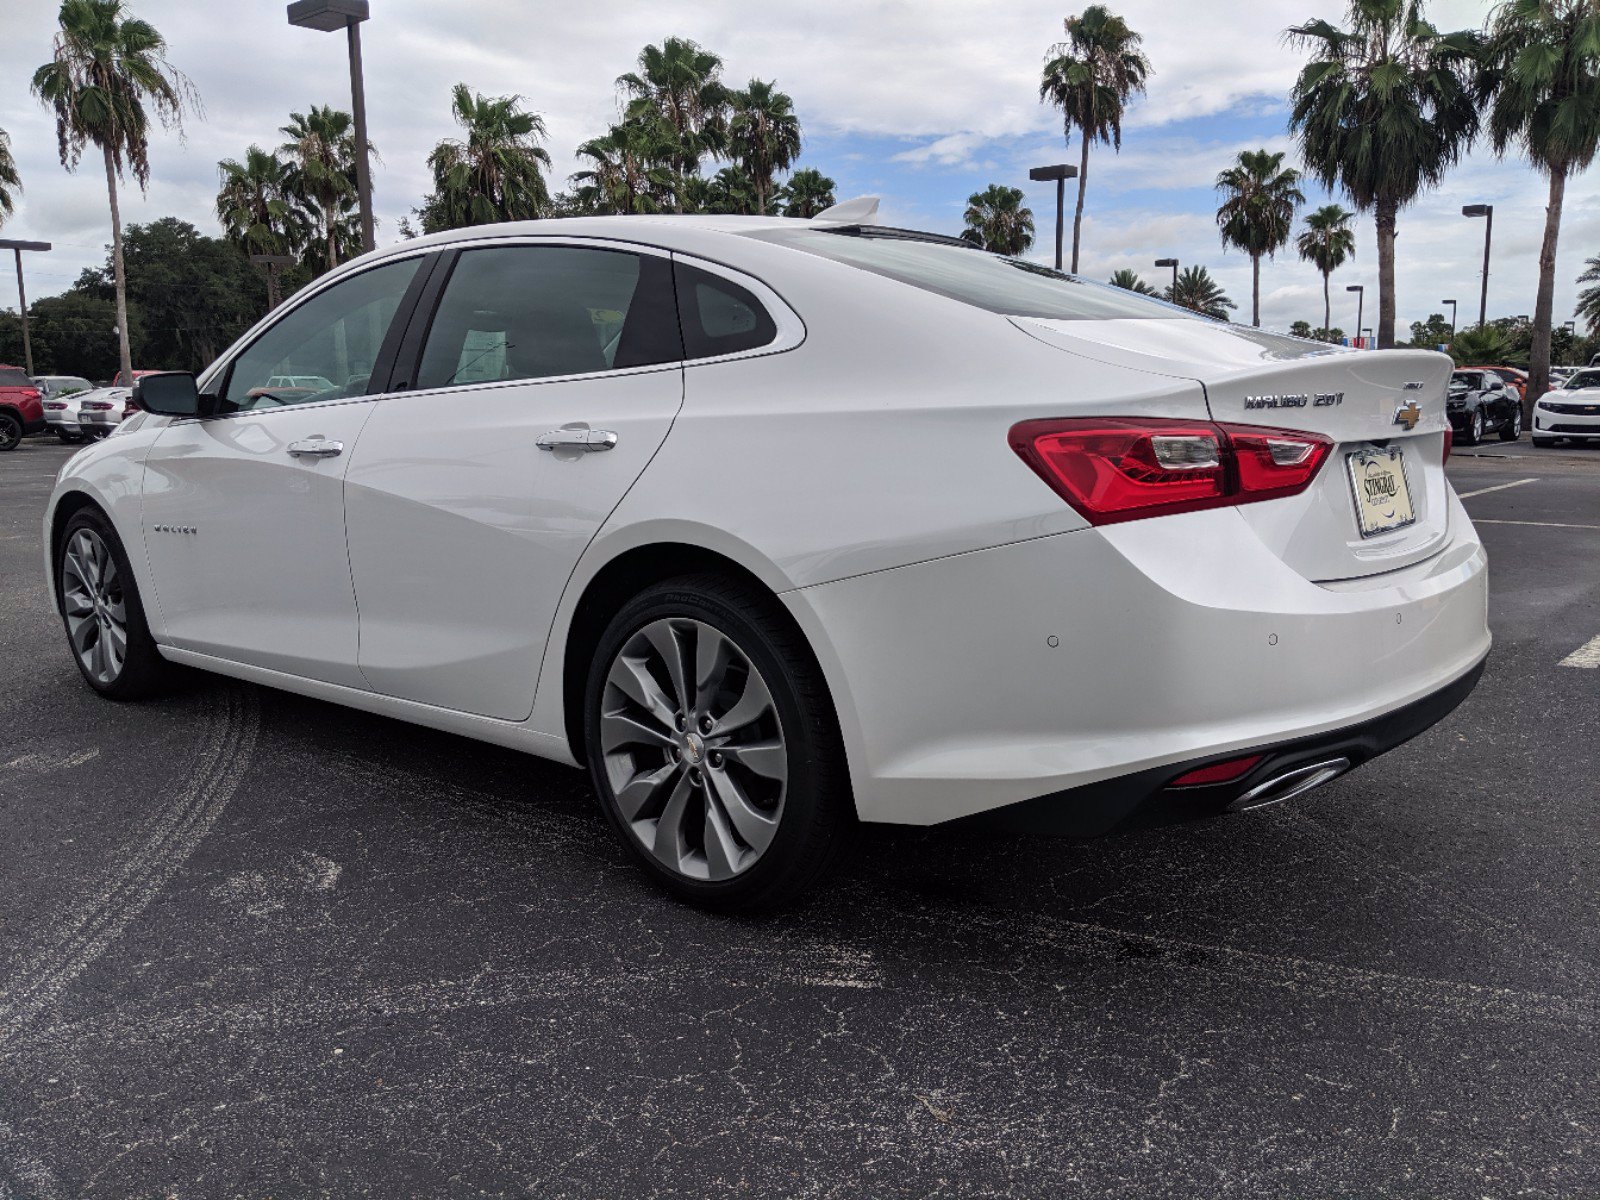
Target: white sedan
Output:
[(775, 525), (1570, 411), (99, 413)]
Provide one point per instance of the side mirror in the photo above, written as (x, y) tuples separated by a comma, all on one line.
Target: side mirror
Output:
[(171, 394)]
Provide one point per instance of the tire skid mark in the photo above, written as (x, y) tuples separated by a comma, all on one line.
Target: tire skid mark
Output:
[(226, 749)]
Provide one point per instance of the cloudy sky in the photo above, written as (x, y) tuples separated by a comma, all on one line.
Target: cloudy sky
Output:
[(920, 103)]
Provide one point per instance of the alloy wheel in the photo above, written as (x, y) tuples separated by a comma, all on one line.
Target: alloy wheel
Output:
[(10, 431), (95, 605), (694, 750)]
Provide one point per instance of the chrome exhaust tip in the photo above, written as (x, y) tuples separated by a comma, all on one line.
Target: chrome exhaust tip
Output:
[(1290, 784)]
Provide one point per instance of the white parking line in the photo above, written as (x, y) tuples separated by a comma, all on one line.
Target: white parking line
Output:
[(1497, 488), (1586, 655), (1538, 524)]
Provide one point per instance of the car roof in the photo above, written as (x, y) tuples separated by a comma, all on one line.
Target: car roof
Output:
[(670, 231)]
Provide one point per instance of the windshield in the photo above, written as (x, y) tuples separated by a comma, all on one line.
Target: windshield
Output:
[(1582, 379), (1012, 287)]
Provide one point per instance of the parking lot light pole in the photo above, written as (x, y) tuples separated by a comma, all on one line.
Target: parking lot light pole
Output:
[(16, 249), (1173, 263), (329, 16), (1486, 211), (1360, 289), (1452, 305), (1061, 172)]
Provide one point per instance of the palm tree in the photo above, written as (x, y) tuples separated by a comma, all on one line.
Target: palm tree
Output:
[(1257, 214), (322, 171), (997, 221), (764, 136), (1486, 344), (1541, 77), (630, 168), (10, 181), (1091, 77), (1588, 309), (1327, 242), (493, 174), (105, 68), (1383, 110), (1196, 290), (807, 193), (256, 211), (730, 190), (682, 83), (1130, 281)]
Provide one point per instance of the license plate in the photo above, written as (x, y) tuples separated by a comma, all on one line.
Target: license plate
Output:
[(1378, 482)]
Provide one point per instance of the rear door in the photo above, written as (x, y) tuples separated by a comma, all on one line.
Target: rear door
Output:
[(546, 378), (243, 513)]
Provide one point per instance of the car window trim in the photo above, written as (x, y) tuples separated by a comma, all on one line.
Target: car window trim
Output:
[(791, 329)]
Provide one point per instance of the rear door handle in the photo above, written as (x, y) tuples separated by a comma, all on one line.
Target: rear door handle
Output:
[(579, 439), (316, 448)]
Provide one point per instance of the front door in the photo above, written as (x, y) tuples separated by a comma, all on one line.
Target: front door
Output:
[(464, 528), (243, 514)]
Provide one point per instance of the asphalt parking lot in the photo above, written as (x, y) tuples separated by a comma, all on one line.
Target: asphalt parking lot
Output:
[(259, 946)]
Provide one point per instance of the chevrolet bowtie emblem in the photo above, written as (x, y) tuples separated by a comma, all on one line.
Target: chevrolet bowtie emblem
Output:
[(1408, 414)]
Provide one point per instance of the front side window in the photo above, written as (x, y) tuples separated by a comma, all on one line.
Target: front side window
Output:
[(323, 349), (534, 312)]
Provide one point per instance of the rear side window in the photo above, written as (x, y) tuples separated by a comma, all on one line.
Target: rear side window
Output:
[(14, 377), (533, 312), (719, 316)]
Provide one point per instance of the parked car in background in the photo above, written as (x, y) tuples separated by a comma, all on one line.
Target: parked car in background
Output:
[(1480, 402), (120, 381), (21, 407), (1513, 377), (621, 501), (102, 411), (61, 395), (1571, 411)]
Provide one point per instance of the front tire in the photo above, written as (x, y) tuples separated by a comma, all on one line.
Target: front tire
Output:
[(1511, 430), (103, 613), (1544, 442), (1473, 434), (714, 747)]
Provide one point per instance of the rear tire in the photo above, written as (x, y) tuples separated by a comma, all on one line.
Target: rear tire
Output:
[(1512, 429), (1473, 433), (735, 793), (69, 439), (103, 613), (10, 431)]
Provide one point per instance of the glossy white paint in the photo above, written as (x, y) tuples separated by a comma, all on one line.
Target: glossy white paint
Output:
[(860, 469)]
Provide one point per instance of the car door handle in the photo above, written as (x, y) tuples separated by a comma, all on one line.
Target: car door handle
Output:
[(579, 439), (316, 448)]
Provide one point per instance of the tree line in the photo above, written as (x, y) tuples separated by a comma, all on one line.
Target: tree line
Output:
[(1384, 106)]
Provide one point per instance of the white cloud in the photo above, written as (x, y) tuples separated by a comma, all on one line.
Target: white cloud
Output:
[(955, 80)]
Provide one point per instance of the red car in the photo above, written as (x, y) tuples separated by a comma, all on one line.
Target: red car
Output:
[(21, 407)]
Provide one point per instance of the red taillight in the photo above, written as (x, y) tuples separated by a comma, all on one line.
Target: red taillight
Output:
[(1222, 772), (1449, 442), (1123, 469), (55, 405)]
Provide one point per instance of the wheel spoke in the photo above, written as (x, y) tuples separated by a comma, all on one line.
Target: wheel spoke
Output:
[(668, 844), (769, 759), (116, 644), (641, 788), (754, 826), (713, 654), (619, 729), (755, 701), (722, 851), (76, 602), (82, 634), (666, 639), (633, 679)]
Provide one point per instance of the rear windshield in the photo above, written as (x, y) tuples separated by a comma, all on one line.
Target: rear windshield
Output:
[(1009, 286), (14, 377)]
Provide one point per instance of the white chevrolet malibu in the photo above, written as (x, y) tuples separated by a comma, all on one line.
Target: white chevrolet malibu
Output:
[(775, 525)]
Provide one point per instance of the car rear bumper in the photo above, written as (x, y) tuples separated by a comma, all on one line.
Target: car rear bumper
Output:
[(1034, 669)]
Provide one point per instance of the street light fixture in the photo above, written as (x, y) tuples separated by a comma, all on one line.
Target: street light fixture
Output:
[(328, 16), (17, 248), (1485, 211), (1173, 263), (1360, 289), (1452, 305), (1061, 172)]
